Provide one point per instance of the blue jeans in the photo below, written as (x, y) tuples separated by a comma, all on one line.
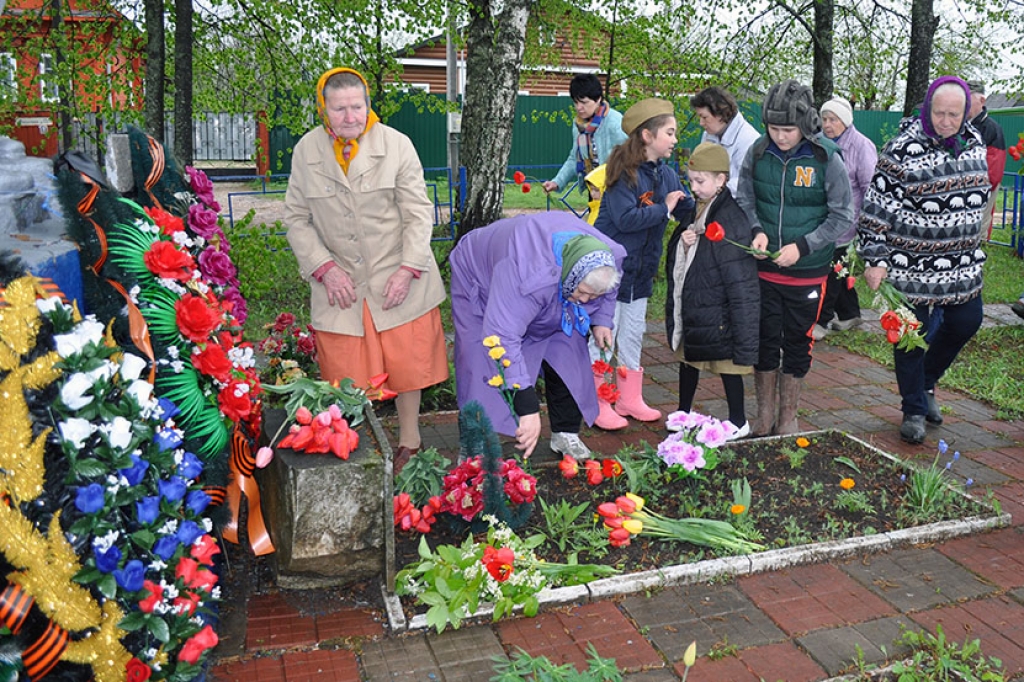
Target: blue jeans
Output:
[(919, 370)]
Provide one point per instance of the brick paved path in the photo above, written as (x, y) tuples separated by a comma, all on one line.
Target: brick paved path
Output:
[(801, 624)]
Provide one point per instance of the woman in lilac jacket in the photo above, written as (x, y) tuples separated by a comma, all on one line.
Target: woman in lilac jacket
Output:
[(540, 283), (860, 157)]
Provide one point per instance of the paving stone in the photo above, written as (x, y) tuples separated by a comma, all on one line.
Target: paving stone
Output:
[(709, 614), (967, 437), (810, 597), (915, 579), (339, 665), (465, 654), (348, 623), (1009, 461), (543, 635), (401, 658), (850, 421), (662, 675), (836, 649), (997, 556), (612, 634), (729, 668), (275, 624), (257, 669), (782, 662)]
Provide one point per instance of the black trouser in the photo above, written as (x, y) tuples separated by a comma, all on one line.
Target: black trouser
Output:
[(788, 314), (732, 383), (563, 411), (840, 300)]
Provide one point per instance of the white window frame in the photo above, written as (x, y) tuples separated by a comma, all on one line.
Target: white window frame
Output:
[(45, 86), (8, 77)]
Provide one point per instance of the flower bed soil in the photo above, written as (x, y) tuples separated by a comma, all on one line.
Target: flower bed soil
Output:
[(790, 505)]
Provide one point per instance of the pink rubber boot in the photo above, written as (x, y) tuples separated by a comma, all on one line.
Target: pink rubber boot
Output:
[(631, 400)]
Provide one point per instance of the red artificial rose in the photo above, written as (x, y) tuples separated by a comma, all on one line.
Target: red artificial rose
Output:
[(890, 321), (195, 645), (196, 320), (185, 605), (204, 549), (156, 595), (137, 671), (204, 580), (213, 361), (167, 261), (714, 232), (234, 401), (519, 177), (168, 224), (186, 570), (283, 321)]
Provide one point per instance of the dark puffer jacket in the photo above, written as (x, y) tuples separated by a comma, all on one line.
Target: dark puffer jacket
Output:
[(720, 306)]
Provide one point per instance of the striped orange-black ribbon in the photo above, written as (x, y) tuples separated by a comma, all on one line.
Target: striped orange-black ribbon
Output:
[(242, 463), (45, 288), (42, 655), (217, 494), (15, 604), (85, 207)]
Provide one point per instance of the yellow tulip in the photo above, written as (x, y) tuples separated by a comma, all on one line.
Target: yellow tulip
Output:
[(496, 381), (634, 526), (690, 657), (637, 500), (516, 386), (492, 341), (506, 362), (496, 353)]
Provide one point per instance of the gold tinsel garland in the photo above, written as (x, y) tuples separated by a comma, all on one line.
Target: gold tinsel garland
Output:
[(45, 563)]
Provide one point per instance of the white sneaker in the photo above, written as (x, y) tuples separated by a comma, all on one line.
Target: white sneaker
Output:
[(741, 432), (845, 325), (565, 443), (819, 332)]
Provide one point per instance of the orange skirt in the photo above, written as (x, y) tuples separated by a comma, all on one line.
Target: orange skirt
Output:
[(413, 354)]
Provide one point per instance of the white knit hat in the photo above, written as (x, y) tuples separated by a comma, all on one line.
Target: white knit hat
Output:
[(841, 108)]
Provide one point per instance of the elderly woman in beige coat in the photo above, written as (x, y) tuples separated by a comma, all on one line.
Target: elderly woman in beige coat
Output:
[(359, 222)]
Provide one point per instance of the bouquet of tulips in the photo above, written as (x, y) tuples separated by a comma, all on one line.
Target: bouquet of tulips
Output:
[(326, 432), (408, 517), (626, 517)]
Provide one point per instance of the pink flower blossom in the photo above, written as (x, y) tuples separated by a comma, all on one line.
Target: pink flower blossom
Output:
[(202, 186), (216, 265)]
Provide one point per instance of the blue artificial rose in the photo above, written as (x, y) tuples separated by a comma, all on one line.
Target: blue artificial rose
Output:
[(197, 502), (90, 498), (107, 561), (130, 577), (173, 489), (136, 471), (189, 532), (190, 466), (167, 438), (147, 509), (165, 547), (168, 410)]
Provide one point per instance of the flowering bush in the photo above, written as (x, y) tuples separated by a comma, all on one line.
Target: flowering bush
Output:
[(463, 493), (139, 506), (694, 443), (501, 570), (290, 350)]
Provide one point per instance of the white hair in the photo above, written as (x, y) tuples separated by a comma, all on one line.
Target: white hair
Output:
[(602, 279)]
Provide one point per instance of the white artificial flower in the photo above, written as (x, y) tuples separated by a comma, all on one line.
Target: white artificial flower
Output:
[(157, 565), (184, 197), (141, 390), (48, 305), (132, 366), (76, 431), (170, 527), (134, 292), (215, 592), (178, 366), (242, 357), (73, 392), (173, 352), (106, 541), (103, 372), (119, 431), (207, 524)]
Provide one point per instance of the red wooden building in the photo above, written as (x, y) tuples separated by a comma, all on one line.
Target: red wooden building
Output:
[(100, 47)]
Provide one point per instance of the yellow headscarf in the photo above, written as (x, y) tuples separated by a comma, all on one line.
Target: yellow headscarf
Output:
[(341, 145), (596, 178)]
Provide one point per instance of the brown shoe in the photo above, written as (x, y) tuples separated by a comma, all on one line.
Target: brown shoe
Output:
[(402, 457)]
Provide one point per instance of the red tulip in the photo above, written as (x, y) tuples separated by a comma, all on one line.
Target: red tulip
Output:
[(569, 466), (611, 468), (714, 232), (619, 537), (339, 444), (499, 562), (890, 321), (303, 415), (850, 281), (519, 177), (526, 188), (625, 504), (608, 510), (893, 335)]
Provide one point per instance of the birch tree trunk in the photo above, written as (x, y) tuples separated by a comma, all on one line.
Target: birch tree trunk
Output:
[(494, 56), (923, 23), (183, 147), (155, 59)]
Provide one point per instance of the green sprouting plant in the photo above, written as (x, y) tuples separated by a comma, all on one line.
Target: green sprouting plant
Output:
[(796, 456), (935, 658), (929, 489), (560, 520), (523, 667), (423, 476), (846, 461), (854, 501), (814, 489), (720, 650), (642, 468), (796, 534)]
